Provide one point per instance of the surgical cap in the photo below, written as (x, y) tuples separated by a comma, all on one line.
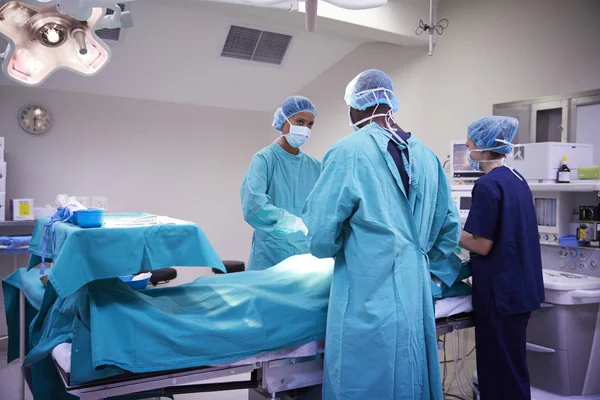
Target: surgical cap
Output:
[(290, 107), (491, 132), (362, 93)]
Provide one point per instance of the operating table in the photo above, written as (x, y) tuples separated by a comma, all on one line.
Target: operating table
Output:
[(237, 315), (285, 374)]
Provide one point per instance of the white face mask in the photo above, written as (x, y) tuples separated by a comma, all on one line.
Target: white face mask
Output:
[(476, 165), (297, 135)]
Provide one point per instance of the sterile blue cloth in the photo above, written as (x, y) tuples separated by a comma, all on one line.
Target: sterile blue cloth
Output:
[(446, 270), (381, 336), (273, 193), (450, 274), (85, 255), (29, 282), (212, 320)]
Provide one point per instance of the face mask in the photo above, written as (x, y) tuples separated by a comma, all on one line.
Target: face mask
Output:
[(297, 135), (476, 165)]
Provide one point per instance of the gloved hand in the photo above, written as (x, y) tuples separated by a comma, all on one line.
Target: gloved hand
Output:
[(291, 224), (299, 226)]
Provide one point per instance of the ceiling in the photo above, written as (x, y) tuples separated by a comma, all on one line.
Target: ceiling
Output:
[(173, 54)]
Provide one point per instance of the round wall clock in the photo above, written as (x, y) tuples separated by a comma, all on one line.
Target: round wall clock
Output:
[(34, 119)]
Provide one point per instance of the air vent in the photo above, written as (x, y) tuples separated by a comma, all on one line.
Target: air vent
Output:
[(256, 45), (113, 35)]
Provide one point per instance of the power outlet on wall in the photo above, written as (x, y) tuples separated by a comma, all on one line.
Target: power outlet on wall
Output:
[(84, 200), (100, 202)]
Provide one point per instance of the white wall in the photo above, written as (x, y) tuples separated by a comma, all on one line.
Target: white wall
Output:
[(170, 159), (493, 51)]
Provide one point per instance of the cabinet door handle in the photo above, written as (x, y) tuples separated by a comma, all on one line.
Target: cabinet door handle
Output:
[(536, 348), (586, 294)]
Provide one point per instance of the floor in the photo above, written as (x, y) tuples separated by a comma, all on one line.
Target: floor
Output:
[(10, 375)]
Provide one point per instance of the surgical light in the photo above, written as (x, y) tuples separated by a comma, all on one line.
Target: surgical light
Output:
[(52, 36), (310, 7), (43, 40)]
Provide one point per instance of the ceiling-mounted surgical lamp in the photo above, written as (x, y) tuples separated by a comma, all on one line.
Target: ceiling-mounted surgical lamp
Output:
[(82, 10), (285, 5), (311, 6), (43, 40)]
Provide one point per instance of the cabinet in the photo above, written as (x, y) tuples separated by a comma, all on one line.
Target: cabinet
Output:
[(550, 121), (522, 112), (585, 122), (556, 118)]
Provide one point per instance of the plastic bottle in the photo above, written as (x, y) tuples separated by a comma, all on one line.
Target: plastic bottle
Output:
[(564, 173)]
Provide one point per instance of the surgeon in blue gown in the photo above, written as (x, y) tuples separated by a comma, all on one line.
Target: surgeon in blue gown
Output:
[(276, 185), (382, 207), (502, 235)]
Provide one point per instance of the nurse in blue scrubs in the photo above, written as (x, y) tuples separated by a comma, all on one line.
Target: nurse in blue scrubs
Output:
[(502, 235)]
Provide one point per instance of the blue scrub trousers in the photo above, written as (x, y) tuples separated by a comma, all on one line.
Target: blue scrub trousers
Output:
[(501, 342)]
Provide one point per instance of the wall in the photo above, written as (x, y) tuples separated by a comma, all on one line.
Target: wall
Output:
[(493, 51), (170, 159)]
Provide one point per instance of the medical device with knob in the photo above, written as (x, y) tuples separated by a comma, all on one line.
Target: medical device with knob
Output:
[(47, 36), (564, 335), (43, 40), (463, 200)]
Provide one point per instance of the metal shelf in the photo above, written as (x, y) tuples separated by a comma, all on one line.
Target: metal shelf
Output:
[(580, 186), (559, 246), (16, 228), (19, 224), (577, 186)]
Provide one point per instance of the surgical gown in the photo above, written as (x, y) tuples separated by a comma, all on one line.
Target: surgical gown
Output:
[(274, 190), (381, 339)]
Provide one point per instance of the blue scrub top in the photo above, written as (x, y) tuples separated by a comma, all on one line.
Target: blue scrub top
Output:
[(503, 211), (396, 154)]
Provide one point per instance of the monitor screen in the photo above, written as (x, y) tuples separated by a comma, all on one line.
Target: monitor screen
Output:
[(461, 169), (465, 202)]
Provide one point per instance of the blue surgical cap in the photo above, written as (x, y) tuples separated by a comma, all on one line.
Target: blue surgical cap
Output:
[(493, 132), (290, 107), (362, 93)]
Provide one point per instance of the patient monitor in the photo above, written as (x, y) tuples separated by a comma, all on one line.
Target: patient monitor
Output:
[(460, 168)]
